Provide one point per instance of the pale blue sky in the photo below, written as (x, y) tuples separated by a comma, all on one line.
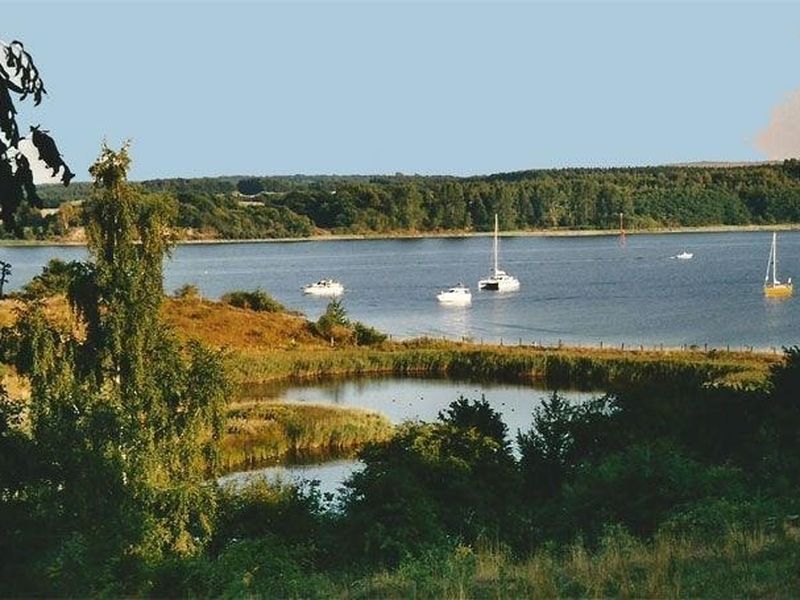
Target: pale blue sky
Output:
[(208, 88)]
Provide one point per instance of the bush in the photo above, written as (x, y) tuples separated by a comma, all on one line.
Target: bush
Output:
[(188, 291), (451, 479), (366, 335), (335, 325), (257, 300), (640, 487), (56, 278)]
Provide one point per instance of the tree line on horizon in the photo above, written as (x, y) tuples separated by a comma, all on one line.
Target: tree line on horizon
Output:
[(586, 198)]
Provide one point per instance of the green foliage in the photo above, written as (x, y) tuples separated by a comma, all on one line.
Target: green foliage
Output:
[(542, 199), (250, 186), (124, 421), (639, 487), (290, 512), (257, 300), (334, 324), (57, 277), (187, 291), (453, 478), (783, 421), (366, 335)]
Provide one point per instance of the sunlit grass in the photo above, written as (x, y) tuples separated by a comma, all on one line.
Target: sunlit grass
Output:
[(736, 564), (258, 432)]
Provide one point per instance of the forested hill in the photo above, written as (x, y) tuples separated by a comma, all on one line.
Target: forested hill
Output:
[(302, 205)]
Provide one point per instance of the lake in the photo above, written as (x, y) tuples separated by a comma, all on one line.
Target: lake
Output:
[(580, 290), (399, 399)]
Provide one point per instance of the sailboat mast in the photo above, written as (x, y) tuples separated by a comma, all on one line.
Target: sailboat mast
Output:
[(495, 244), (774, 258)]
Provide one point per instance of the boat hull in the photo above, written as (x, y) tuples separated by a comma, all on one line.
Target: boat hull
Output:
[(328, 290), (501, 285), (324, 293), (452, 301), (457, 296), (780, 290)]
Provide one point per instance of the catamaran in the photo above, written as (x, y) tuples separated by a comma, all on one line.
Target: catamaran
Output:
[(498, 281), (774, 288)]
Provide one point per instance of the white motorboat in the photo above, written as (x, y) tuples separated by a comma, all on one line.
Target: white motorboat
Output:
[(685, 255), (458, 294), (324, 287), (499, 280)]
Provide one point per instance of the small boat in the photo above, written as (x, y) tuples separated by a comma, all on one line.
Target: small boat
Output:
[(684, 255), (324, 287), (498, 281), (458, 294), (774, 288)]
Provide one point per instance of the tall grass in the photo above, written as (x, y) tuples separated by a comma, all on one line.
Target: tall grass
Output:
[(259, 432), (574, 368), (737, 564)]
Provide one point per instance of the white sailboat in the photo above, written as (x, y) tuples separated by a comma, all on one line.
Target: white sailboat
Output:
[(498, 281), (774, 288)]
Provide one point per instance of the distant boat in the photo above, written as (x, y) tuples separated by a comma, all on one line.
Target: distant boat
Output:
[(774, 288), (684, 255), (498, 281), (324, 287), (456, 295)]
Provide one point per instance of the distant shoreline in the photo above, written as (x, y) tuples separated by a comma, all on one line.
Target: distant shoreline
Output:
[(448, 234)]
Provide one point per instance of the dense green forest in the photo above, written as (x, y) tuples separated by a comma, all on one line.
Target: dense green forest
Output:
[(299, 206)]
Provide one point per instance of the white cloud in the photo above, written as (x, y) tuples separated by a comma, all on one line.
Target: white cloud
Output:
[(781, 138)]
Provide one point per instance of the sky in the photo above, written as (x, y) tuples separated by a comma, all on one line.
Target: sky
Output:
[(460, 88)]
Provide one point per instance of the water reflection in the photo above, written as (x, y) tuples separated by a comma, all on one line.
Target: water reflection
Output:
[(399, 399)]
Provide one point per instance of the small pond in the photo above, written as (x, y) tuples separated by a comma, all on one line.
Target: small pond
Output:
[(399, 399)]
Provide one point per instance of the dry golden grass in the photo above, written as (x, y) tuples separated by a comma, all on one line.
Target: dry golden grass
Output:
[(7, 312), (224, 326)]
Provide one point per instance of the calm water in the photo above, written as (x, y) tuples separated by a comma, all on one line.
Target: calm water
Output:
[(398, 399), (579, 289)]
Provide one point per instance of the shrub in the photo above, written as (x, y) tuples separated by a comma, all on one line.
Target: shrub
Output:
[(56, 278), (257, 300), (188, 291), (366, 335), (451, 479), (334, 324), (640, 487)]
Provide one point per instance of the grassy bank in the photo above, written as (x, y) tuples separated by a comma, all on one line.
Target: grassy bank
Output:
[(265, 347), (259, 432), (555, 367), (271, 346)]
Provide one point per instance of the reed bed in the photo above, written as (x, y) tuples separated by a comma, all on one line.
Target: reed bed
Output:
[(262, 432), (558, 368)]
